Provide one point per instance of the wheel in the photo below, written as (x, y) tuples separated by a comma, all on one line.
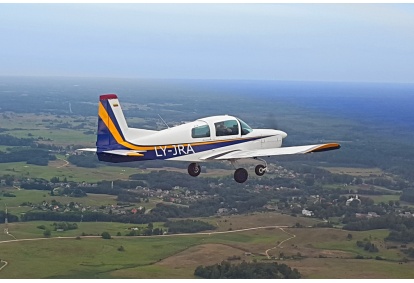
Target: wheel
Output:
[(240, 176), (260, 170), (194, 169)]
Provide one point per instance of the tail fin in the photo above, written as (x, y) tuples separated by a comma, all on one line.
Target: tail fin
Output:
[(112, 126)]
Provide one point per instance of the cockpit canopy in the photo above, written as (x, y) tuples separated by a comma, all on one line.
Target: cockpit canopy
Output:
[(229, 126)]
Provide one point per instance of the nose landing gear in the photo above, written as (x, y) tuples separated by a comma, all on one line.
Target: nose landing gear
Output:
[(260, 170)]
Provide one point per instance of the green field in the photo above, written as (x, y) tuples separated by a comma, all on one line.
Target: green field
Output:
[(383, 198), (175, 256), (46, 127), (359, 172), (316, 252), (30, 230), (85, 258), (72, 173), (36, 197)]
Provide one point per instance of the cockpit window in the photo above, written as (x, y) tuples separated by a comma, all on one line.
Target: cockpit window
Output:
[(227, 128), (202, 131), (245, 129)]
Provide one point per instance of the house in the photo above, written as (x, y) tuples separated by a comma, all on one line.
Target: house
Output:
[(372, 214), (351, 199), (307, 212), (222, 211), (406, 214)]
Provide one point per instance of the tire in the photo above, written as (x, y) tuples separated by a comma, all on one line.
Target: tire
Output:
[(194, 169), (240, 175), (260, 170)]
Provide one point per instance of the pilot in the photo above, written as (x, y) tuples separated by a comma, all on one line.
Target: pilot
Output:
[(222, 130)]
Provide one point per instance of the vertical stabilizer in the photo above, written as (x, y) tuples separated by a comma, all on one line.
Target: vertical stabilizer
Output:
[(112, 125)]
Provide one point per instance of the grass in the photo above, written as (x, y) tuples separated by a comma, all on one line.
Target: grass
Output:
[(86, 258), (178, 256), (29, 230), (336, 268), (383, 198), (37, 197), (337, 240), (234, 222), (71, 172), (360, 172), (41, 125)]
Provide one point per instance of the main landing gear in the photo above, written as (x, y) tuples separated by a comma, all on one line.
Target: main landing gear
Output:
[(194, 169), (240, 175)]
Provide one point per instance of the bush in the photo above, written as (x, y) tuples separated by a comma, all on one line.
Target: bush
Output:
[(106, 235), (47, 233)]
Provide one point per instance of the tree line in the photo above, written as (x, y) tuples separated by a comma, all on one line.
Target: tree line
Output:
[(245, 270), (31, 156)]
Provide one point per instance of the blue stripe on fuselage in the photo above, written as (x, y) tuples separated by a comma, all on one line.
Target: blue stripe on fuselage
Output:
[(163, 153)]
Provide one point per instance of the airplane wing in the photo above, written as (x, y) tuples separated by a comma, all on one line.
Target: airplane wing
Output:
[(240, 154), (121, 152)]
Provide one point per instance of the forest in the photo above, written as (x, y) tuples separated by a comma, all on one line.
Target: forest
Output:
[(247, 270)]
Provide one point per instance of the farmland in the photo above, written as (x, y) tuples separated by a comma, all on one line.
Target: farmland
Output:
[(324, 253), (258, 221)]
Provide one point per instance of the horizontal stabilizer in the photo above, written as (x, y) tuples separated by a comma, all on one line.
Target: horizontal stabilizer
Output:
[(87, 149), (124, 152)]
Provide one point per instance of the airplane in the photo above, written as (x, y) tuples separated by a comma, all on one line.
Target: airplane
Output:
[(215, 138)]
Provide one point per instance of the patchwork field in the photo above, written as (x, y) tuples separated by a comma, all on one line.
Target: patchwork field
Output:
[(316, 252), (61, 169), (361, 172)]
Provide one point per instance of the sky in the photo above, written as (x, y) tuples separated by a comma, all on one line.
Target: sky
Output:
[(305, 42)]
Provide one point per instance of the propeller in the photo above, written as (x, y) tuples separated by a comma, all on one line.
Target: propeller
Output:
[(271, 122)]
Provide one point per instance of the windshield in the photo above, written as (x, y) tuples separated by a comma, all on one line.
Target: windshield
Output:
[(245, 129)]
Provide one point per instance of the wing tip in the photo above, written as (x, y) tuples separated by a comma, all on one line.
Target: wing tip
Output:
[(325, 147)]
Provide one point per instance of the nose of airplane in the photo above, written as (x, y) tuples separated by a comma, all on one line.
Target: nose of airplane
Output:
[(283, 134)]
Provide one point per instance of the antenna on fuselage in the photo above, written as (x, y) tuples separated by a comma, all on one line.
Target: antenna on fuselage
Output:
[(163, 121)]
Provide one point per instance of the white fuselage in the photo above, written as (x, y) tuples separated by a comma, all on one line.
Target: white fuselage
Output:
[(178, 143)]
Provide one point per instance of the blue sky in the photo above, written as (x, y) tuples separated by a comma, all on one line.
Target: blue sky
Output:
[(311, 42)]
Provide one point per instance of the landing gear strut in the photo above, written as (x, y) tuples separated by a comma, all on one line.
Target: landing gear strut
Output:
[(194, 169), (240, 175)]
